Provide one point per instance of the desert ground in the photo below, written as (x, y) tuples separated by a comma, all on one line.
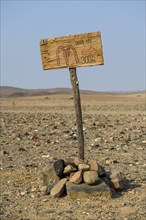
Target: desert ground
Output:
[(35, 131)]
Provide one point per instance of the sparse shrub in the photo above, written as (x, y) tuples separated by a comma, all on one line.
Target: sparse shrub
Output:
[(13, 103), (84, 108), (71, 98), (46, 97)]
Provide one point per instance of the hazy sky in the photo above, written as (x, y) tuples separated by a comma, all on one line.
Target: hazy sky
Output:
[(122, 26)]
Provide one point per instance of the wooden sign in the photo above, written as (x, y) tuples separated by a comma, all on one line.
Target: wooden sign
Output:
[(72, 51)]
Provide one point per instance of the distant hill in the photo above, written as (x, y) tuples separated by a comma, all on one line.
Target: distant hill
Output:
[(13, 92)]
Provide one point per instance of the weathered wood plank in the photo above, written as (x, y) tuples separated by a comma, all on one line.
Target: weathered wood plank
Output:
[(72, 51), (77, 102)]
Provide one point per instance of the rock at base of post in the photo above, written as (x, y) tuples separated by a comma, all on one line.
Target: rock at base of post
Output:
[(85, 191)]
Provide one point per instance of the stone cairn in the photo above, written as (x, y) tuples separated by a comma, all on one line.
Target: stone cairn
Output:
[(81, 179)]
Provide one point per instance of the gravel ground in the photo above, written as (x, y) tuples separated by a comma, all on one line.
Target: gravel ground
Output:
[(36, 131)]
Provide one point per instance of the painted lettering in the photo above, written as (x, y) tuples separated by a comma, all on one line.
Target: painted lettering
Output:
[(87, 59), (79, 42), (88, 41)]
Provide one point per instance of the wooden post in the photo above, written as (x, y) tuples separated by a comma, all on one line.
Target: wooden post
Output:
[(75, 87)]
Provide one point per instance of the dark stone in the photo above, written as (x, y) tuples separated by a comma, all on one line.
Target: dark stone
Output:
[(48, 189), (83, 190), (101, 171), (59, 167), (107, 180), (22, 149), (72, 136), (5, 152)]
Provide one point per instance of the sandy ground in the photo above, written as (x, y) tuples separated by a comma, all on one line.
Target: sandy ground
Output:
[(37, 130)]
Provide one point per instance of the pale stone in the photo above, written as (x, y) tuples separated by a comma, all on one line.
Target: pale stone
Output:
[(78, 161), (98, 139), (76, 177), (93, 165), (68, 169), (14, 136), (91, 177), (85, 191), (69, 161), (97, 167), (83, 167), (59, 188), (49, 176), (43, 189), (118, 180)]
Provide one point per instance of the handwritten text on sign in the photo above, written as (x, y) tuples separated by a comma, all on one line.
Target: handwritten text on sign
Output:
[(72, 51)]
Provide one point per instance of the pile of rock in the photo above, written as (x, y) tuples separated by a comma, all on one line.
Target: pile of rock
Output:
[(80, 179)]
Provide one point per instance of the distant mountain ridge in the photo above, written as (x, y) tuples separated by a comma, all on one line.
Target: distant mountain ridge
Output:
[(14, 92)]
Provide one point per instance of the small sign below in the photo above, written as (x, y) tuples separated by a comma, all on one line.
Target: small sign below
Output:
[(72, 51)]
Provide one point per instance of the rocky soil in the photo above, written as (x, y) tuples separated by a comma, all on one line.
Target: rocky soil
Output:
[(36, 131)]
